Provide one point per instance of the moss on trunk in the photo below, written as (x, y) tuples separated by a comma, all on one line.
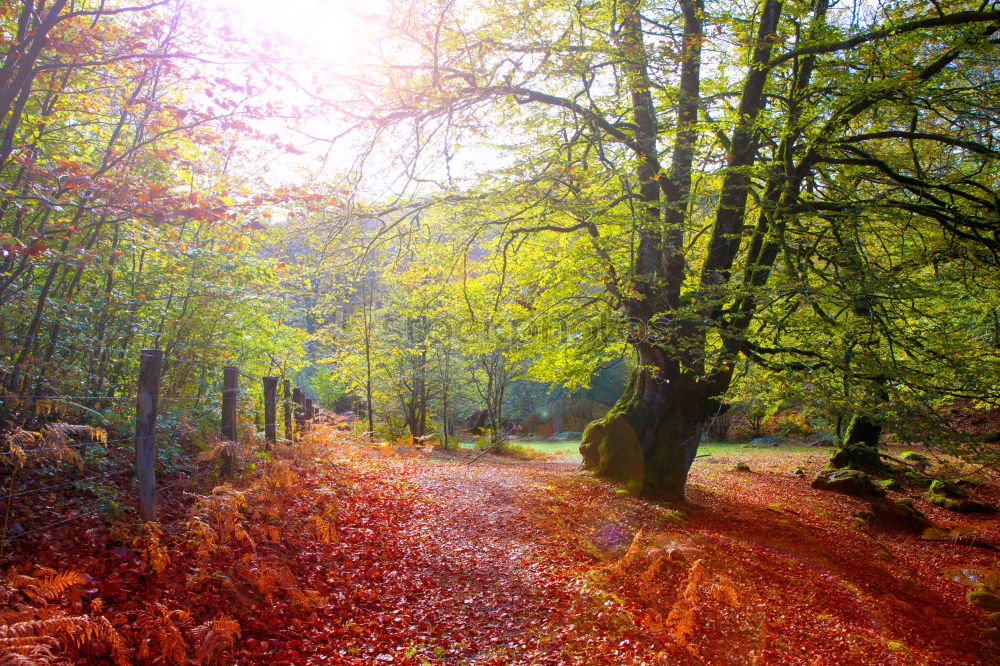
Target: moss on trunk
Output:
[(859, 448), (648, 440)]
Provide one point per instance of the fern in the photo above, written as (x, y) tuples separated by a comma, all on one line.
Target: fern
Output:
[(215, 637), (155, 557), (33, 641), (34, 635), (163, 635), (48, 588), (681, 620)]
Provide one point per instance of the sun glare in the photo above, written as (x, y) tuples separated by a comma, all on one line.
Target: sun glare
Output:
[(327, 31)]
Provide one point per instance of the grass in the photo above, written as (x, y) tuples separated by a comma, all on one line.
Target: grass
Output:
[(570, 450)]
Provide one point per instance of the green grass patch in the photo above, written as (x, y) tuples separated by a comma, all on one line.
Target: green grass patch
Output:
[(570, 449)]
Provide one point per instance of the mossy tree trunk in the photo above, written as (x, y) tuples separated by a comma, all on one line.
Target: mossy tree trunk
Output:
[(649, 439), (859, 449)]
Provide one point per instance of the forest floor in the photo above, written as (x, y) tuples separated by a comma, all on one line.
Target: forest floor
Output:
[(426, 559)]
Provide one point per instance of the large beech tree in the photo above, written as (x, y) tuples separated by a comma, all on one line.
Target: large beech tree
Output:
[(713, 132)]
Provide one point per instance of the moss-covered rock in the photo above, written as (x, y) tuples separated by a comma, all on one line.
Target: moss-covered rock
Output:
[(951, 497), (742, 467), (995, 618), (894, 515), (799, 472), (917, 480), (890, 484), (984, 597), (914, 457), (848, 482)]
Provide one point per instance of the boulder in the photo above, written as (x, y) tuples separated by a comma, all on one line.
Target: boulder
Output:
[(891, 515), (742, 467), (982, 596), (951, 497), (890, 484), (848, 482), (764, 442)]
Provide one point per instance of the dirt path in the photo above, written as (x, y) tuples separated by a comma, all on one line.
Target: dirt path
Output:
[(475, 573), (481, 543), (522, 563)]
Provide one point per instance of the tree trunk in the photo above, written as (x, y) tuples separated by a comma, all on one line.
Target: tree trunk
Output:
[(650, 437)]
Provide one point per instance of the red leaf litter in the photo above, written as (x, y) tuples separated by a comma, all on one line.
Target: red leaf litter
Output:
[(434, 561)]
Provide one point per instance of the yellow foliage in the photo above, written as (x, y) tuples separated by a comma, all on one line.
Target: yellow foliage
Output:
[(155, 556)]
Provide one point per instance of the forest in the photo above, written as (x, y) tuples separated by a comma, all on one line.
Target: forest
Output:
[(500, 332)]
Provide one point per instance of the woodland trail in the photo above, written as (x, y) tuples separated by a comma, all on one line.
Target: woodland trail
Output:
[(487, 579), (529, 563)]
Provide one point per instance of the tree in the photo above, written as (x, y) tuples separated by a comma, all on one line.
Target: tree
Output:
[(681, 143)]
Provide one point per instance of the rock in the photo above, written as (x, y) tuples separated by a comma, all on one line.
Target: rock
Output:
[(848, 482), (950, 496), (915, 479), (799, 472), (890, 484), (899, 514), (982, 596), (764, 442), (995, 618), (822, 442), (914, 457), (742, 467)]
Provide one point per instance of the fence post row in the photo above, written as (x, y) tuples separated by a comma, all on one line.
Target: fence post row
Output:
[(270, 411), (230, 398), (147, 401)]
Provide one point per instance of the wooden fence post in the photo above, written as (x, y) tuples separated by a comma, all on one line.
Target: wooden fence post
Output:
[(288, 409), (309, 412), (299, 399), (230, 399), (150, 366), (270, 411)]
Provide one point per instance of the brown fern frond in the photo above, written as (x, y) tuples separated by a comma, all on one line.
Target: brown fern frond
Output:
[(216, 450), (30, 654), (155, 557), (162, 634), (12, 455), (323, 528), (215, 637), (53, 584), (59, 433), (77, 631)]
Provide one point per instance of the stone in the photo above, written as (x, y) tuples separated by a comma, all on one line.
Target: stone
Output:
[(764, 442), (848, 482), (982, 596), (799, 472), (898, 514), (890, 484), (951, 497), (742, 467)]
